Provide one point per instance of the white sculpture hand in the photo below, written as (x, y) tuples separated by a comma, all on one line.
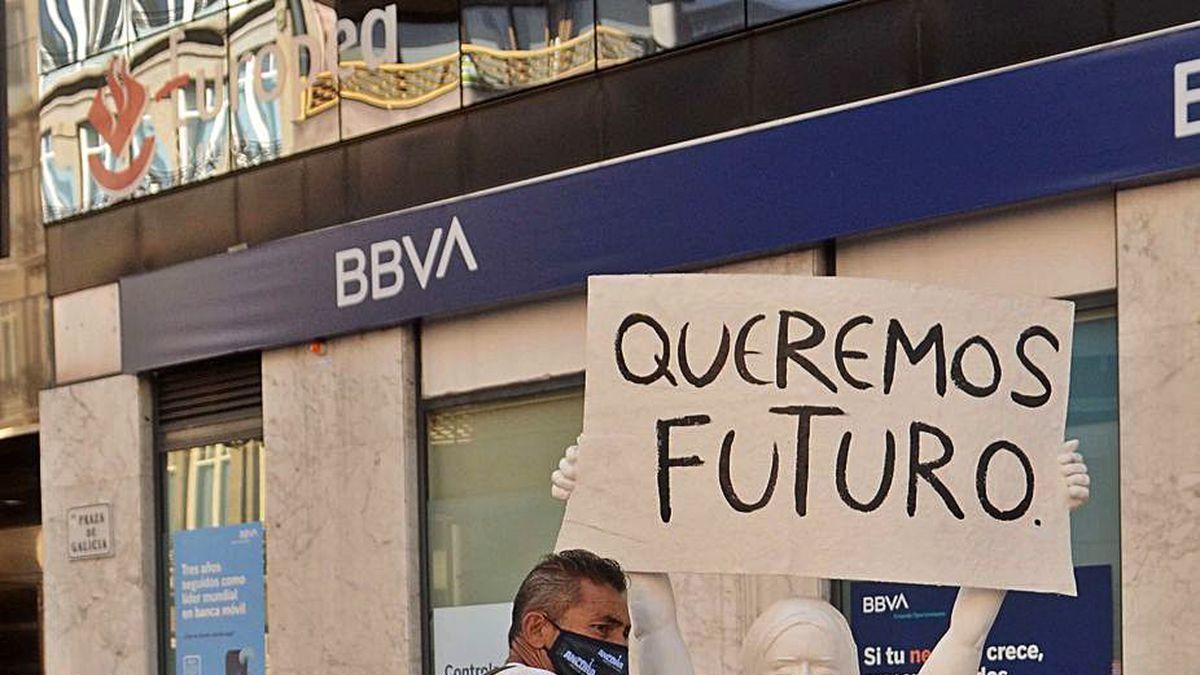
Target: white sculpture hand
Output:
[(651, 600), (562, 481), (1075, 473), (961, 648)]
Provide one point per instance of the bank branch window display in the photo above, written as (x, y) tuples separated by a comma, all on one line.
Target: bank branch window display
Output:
[(214, 562), (490, 516), (896, 625)]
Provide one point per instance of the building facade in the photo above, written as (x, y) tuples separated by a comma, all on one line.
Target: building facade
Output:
[(25, 352), (320, 270)]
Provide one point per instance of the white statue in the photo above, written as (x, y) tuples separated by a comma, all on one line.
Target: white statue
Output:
[(805, 635), (798, 633)]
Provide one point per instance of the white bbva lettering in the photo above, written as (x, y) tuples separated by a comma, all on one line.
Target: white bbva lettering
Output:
[(381, 274), (874, 604), (350, 276), (385, 262), (1186, 96)]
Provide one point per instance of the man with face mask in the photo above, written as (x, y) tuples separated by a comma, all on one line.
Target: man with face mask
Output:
[(570, 617)]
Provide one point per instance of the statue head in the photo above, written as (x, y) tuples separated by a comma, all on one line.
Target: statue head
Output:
[(798, 636)]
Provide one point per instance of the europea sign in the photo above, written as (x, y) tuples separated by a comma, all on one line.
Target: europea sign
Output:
[(119, 106)]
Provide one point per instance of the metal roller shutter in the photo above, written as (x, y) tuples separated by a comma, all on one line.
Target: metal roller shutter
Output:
[(207, 402)]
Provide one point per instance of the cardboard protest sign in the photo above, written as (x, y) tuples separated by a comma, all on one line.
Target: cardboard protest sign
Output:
[(828, 427)]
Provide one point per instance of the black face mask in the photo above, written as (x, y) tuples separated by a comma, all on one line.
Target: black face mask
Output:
[(575, 654)]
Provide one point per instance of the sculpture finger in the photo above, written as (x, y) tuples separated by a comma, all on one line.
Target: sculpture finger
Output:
[(1074, 469), (1070, 458), (567, 467), (1079, 479)]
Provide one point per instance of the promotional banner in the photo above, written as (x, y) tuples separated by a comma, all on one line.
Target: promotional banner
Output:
[(824, 427), (219, 620), (897, 625)]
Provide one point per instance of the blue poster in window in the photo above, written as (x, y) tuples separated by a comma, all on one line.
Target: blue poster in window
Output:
[(219, 620), (897, 625)]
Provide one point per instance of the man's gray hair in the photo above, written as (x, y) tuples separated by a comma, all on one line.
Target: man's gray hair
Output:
[(552, 585)]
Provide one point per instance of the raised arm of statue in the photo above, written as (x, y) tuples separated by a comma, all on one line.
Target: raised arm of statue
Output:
[(961, 648), (652, 610), (651, 600)]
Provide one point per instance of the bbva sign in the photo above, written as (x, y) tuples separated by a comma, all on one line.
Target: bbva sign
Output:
[(378, 270)]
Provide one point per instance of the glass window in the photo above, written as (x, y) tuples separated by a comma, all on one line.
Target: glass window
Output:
[(1095, 529), (633, 28), (92, 146), (398, 62), (151, 16), (762, 11), (284, 93), (513, 44), (79, 169), (73, 30), (1092, 418), (490, 515), (204, 486), (184, 130)]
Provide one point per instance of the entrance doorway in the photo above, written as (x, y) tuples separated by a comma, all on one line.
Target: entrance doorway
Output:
[(20, 571)]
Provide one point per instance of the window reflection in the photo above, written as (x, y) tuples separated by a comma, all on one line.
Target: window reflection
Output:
[(139, 96), (635, 28), (93, 149), (73, 30), (151, 16), (76, 156), (215, 485), (398, 62), (512, 44), (185, 127), (58, 183), (762, 11), (284, 93)]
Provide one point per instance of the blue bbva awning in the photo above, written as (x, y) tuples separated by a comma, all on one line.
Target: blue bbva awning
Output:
[(1093, 119)]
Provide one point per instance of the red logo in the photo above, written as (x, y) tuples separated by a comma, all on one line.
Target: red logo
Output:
[(116, 110)]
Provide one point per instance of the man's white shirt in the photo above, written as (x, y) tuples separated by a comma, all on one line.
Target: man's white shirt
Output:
[(522, 669)]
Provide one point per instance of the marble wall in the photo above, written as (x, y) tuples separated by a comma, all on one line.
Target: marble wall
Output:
[(342, 507), (87, 334), (460, 354), (1158, 266), (1064, 247), (96, 447)]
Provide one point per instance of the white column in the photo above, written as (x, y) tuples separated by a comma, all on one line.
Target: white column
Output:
[(1158, 263), (343, 583), (96, 448)]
